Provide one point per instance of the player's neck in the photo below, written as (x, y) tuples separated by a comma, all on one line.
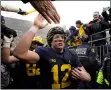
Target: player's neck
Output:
[(58, 50)]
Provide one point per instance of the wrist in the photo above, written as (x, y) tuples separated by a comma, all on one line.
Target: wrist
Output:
[(34, 29), (89, 79), (6, 44)]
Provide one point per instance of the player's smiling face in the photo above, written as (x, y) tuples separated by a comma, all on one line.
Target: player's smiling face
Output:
[(58, 41)]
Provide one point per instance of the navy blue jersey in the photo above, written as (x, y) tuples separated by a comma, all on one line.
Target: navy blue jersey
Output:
[(32, 75), (55, 67), (26, 76)]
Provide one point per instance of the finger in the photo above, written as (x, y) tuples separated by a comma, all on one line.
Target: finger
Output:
[(51, 15), (74, 73), (56, 13), (79, 68), (57, 18), (76, 70), (74, 77), (53, 7), (46, 17), (41, 18), (50, 12)]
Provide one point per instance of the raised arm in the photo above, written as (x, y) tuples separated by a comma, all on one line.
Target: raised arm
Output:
[(22, 49)]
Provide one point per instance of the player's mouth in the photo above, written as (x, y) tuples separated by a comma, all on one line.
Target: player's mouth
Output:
[(60, 44)]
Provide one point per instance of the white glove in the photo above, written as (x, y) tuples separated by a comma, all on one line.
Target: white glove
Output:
[(7, 41)]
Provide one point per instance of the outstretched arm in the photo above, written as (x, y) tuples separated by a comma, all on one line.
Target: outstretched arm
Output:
[(9, 8), (22, 49)]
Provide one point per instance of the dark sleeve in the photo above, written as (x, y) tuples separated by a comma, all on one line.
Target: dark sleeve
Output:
[(105, 15), (8, 31), (25, 1), (105, 24), (75, 62)]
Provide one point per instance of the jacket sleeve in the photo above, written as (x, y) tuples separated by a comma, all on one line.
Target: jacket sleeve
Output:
[(104, 24), (105, 15)]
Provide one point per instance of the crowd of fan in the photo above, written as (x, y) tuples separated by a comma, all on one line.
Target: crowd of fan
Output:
[(87, 32)]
